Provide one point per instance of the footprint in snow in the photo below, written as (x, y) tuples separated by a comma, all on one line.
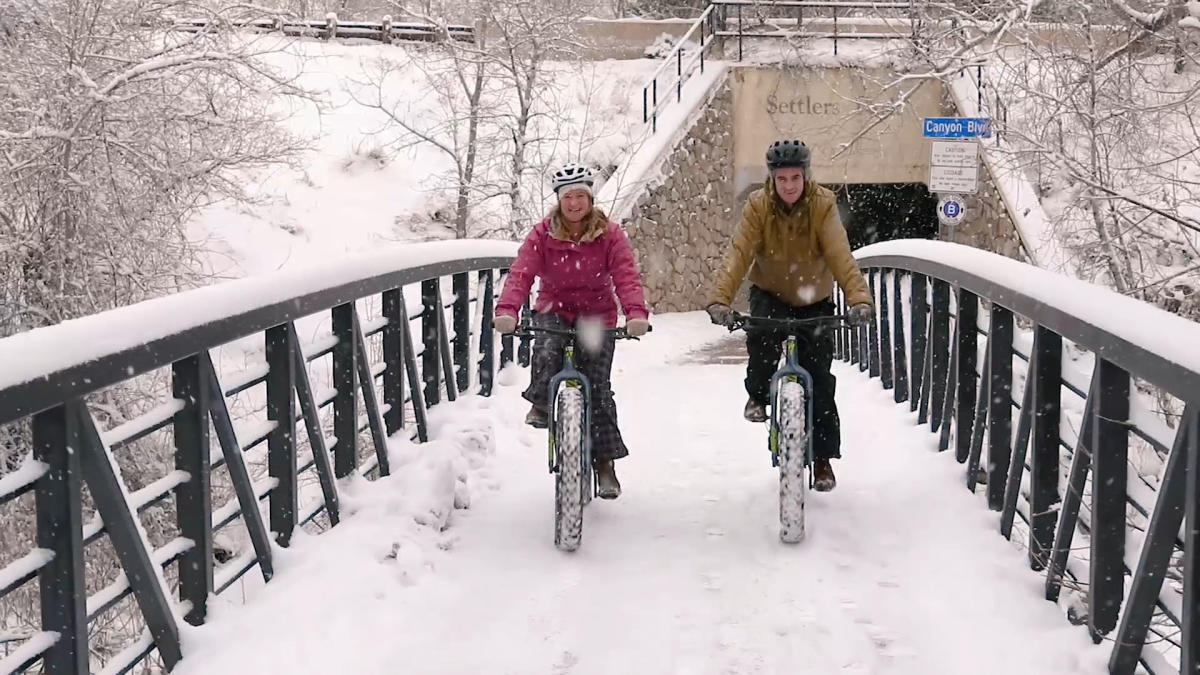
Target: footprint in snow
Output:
[(565, 663)]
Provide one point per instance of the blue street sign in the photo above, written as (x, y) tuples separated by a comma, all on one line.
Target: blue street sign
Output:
[(957, 127)]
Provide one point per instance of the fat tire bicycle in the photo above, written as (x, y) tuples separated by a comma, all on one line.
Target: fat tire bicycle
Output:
[(569, 438), (789, 436)]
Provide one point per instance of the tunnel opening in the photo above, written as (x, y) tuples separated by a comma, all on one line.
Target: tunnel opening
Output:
[(886, 211)]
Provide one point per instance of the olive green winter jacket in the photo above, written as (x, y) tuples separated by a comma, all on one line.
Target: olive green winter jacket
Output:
[(795, 252)]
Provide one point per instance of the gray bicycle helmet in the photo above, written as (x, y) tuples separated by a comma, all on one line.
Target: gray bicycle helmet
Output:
[(791, 153)]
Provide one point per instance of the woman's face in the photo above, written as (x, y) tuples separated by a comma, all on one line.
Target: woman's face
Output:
[(575, 204)]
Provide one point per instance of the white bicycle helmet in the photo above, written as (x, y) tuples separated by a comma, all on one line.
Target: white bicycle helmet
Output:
[(572, 174)]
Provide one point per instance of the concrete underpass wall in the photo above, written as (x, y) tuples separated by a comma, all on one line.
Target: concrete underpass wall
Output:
[(681, 226), (988, 224)]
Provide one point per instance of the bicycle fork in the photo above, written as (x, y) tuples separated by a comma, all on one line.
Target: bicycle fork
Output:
[(791, 372), (570, 376)]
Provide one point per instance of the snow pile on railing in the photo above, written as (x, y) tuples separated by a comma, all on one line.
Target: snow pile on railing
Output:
[(38, 353), (1157, 331)]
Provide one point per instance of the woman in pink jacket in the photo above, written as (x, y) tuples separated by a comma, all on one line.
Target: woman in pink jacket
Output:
[(581, 257)]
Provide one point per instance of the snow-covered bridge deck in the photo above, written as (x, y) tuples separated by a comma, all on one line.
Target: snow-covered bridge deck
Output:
[(902, 571)]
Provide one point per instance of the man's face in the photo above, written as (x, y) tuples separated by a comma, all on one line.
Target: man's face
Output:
[(789, 183)]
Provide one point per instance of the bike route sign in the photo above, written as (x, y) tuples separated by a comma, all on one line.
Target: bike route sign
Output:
[(951, 210)]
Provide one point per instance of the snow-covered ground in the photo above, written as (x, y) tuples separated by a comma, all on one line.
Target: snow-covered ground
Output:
[(355, 191), (902, 570)]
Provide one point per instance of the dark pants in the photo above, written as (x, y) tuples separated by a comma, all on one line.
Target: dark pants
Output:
[(815, 354), (596, 366)]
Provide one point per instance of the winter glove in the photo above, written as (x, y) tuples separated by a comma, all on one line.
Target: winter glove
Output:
[(860, 314), (719, 313), (637, 327), (504, 323)]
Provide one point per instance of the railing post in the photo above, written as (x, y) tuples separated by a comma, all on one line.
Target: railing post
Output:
[(462, 330), (1068, 512), (1189, 638), (61, 582), (885, 331), (487, 348), (430, 362), (445, 351), (940, 350), (235, 466), (920, 317), (1110, 471), (1044, 456), (966, 330), (127, 536), (978, 429), (193, 498), (853, 343), (1147, 579), (414, 378), (843, 333), (1016, 465), (1000, 404), (393, 358), (281, 444), (898, 342), (654, 106), (678, 74), (948, 400), (873, 327), (370, 400), (506, 341), (835, 31), (739, 13), (345, 402), (316, 438)]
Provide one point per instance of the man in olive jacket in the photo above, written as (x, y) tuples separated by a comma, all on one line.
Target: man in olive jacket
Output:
[(792, 242)]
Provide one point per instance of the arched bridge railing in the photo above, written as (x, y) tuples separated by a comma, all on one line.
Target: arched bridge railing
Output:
[(1097, 473), (96, 402)]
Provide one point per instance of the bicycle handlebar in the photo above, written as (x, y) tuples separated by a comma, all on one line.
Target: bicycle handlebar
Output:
[(737, 321), (528, 330)]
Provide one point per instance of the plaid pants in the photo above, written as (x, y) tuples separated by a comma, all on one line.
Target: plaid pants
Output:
[(546, 361)]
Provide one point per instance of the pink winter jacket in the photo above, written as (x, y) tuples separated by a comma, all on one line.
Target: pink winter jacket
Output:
[(578, 279)]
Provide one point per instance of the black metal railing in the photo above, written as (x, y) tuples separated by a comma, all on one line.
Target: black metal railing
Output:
[(1088, 519), (730, 19), (51, 377)]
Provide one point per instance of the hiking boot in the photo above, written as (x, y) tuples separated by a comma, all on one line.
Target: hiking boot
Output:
[(755, 411), (606, 477), (537, 418), (823, 478)]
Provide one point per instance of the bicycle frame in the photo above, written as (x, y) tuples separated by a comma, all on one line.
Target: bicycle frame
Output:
[(790, 370), (569, 375)]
